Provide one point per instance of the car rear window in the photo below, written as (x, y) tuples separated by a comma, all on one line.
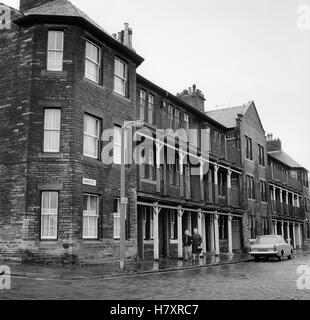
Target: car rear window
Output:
[(263, 240)]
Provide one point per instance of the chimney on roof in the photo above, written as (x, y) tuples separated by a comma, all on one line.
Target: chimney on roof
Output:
[(125, 36), (273, 144), (194, 97), (30, 4)]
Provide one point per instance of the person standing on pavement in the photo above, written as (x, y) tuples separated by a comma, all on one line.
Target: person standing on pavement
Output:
[(197, 244), (187, 244)]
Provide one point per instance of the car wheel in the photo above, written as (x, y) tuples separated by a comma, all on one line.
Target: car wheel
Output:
[(290, 257)]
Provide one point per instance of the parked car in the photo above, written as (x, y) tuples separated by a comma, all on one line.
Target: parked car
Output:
[(271, 246)]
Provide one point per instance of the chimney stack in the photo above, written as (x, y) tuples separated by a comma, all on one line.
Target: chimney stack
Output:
[(194, 97), (125, 36), (273, 144), (30, 4)]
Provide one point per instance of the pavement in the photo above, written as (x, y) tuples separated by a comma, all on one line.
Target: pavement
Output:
[(58, 272)]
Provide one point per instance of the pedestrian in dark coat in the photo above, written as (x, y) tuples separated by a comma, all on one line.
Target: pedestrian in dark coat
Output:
[(197, 244), (187, 244)]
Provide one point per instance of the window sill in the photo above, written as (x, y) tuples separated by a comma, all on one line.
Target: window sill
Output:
[(48, 155), (92, 160), (118, 95), (94, 83), (53, 74)]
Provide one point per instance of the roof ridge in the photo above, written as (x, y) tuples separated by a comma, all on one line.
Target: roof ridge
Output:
[(223, 109)]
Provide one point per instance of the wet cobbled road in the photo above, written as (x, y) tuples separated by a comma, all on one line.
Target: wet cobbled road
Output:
[(246, 281)]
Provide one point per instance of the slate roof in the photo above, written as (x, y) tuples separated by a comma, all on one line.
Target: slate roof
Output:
[(227, 116), (284, 158), (62, 8)]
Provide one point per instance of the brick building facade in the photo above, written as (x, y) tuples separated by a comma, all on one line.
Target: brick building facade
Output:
[(66, 89)]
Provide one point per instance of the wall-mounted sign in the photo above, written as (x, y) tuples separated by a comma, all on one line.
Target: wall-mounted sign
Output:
[(89, 182)]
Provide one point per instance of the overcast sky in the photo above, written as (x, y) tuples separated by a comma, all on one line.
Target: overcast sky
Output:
[(234, 50)]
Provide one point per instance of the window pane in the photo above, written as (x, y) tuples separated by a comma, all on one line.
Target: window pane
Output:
[(51, 40), (49, 215), (120, 69), (120, 86), (93, 204), (92, 71), (52, 119), (90, 146), (59, 40)]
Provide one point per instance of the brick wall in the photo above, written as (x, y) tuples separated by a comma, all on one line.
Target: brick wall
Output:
[(15, 86), (250, 125), (26, 171)]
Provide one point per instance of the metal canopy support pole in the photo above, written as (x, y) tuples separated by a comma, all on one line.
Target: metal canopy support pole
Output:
[(230, 240), (216, 234), (180, 233), (156, 231)]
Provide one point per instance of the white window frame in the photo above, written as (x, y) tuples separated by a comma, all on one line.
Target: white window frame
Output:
[(92, 62), (55, 130), (144, 222), (151, 224), (172, 225), (49, 212), (97, 137), (142, 102), (177, 119), (53, 49), (186, 122), (170, 116), (150, 108), (117, 221), (91, 214), (123, 78)]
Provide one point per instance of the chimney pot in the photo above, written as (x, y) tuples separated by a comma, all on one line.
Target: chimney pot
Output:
[(194, 97)]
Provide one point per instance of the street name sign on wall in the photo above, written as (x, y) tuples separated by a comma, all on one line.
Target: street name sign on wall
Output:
[(89, 182)]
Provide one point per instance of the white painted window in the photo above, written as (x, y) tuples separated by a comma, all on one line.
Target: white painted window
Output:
[(144, 222), (186, 122), (172, 225), (90, 216), (151, 109), (117, 219), (92, 62), (52, 130), (170, 116), (142, 104), (177, 119), (120, 77), (49, 215), (55, 50), (91, 137), (152, 224)]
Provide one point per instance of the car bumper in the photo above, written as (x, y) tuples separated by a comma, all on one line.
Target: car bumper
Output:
[(264, 253)]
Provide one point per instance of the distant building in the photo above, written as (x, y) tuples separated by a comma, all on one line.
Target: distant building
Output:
[(289, 187)]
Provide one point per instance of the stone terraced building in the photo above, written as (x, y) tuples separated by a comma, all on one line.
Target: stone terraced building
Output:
[(67, 87)]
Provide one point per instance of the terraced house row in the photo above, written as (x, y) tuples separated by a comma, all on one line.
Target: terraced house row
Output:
[(67, 88)]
